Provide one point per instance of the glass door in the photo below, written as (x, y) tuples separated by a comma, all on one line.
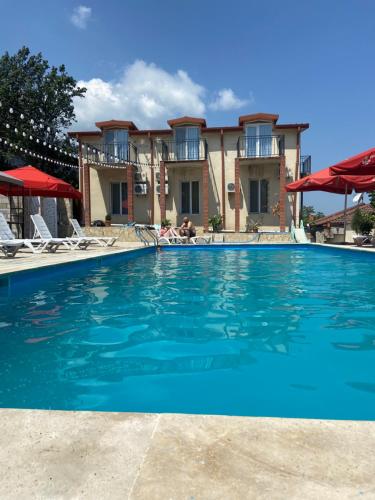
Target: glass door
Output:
[(258, 140), (265, 140)]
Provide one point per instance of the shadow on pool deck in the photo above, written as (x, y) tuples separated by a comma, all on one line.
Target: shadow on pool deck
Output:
[(52, 454)]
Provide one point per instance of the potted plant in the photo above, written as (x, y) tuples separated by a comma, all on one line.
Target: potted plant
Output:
[(166, 223), (216, 222), (108, 220), (254, 226)]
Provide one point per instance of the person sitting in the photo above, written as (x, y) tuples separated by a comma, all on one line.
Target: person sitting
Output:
[(166, 231), (187, 228)]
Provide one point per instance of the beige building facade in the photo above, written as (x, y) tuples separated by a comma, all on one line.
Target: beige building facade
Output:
[(190, 169)]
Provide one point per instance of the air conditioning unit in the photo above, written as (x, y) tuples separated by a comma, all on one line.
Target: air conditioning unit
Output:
[(140, 188), (157, 176), (139, 176), (157, 189), (231, 187)]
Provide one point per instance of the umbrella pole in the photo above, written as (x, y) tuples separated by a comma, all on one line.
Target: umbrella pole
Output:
[(345, 210)]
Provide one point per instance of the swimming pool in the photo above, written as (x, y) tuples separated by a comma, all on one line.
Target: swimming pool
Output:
[(283, 331)]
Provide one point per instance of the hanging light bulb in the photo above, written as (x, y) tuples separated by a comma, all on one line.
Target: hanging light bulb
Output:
[(7, 125), (22, 116), (10, 110), (16, 130)]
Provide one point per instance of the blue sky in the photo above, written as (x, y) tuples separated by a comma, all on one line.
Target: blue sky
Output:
[(149, 60)]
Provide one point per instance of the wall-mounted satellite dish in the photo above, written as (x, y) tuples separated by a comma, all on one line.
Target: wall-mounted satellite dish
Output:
[(358, 198)]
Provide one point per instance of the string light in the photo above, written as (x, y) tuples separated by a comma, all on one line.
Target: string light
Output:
[(74, 143)]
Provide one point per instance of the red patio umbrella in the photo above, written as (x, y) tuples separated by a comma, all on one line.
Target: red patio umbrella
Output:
[(38, 183), (361, 164), (340, 184), (324, 180)]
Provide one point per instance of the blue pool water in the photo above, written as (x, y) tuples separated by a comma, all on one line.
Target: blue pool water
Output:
[(262, 331)]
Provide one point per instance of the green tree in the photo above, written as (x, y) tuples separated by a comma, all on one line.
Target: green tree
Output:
[(372, 198), (44, 94), (362, 222), (309, 214)]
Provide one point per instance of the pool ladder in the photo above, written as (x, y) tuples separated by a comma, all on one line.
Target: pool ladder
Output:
[(145, 235)]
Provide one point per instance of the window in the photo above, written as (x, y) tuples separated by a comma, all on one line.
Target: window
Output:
[(259, 196), (258, 140), (187, 143), (119, 198), (116, 145), (190, 197)]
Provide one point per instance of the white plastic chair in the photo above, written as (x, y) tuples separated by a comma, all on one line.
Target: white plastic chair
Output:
[(78, 232), (43, 234), (9, 241)]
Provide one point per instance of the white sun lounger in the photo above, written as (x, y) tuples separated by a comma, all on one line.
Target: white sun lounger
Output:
[(78, 232), (172, 239), (10, 247), (8, 240), (43, 234)]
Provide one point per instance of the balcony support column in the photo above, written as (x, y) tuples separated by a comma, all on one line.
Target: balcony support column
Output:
[(237, 195), (130, 185), (223, 190), (296, 177), (282, 195), (84, 179), (152, 182), (205, 195), (162, 192)]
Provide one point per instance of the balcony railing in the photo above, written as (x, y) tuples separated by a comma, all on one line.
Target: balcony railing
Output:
[(188, 150), (115, 152), (260, 146), (305, 166)]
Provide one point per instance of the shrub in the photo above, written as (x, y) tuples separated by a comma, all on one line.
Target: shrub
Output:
[(216, 221), (362, 222)]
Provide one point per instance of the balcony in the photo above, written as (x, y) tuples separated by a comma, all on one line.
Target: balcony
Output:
[(305, 168), (188, 150), (260, 146), (115, 152)]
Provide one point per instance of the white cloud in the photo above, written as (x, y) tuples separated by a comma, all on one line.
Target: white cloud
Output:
[(227, 100), (145, 94), (81, 16)]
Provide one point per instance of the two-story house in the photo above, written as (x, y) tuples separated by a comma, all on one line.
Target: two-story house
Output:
[(190, 169)]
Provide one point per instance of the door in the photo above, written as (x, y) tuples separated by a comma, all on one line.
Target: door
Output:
[(258, 140)]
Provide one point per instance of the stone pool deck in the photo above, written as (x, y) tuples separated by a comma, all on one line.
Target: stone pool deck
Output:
[(74, 455), (70, 455), (25, 259)]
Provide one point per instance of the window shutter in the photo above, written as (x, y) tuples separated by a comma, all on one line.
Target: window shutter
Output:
[(254, 196), (263, 196)]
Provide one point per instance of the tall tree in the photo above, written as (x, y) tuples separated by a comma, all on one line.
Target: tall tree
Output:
[(43, 94), (309, 214)]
